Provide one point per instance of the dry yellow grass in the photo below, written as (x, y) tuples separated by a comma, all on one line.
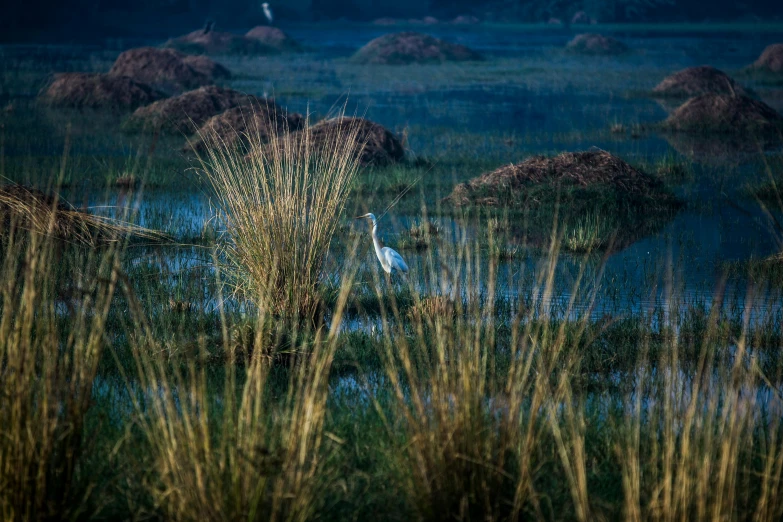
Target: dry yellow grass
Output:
[(46, 374), (280, 203), (236, 454)]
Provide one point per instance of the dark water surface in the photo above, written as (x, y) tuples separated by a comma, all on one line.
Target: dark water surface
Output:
[(527, 97)]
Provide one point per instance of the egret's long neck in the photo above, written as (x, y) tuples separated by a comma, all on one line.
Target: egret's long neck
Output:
[(376, 242)]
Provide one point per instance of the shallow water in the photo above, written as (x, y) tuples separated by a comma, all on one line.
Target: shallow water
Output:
[(528, 97)]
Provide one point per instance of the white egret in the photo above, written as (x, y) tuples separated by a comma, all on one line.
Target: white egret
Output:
[(390, 260), (267, 12)]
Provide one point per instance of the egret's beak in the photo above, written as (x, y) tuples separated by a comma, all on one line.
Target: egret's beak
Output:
[(361, 217)]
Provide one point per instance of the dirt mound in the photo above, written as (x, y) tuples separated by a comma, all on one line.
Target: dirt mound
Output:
[(723, 114), (381, 147), (596, 44), (186, 112), (216, 42), (412, 47), (771, 59), (508, 184), (167, 69), (465, 20), (80, 90), (207, 66), (274, 37), (582, 18), (234, 125), (698, 80)]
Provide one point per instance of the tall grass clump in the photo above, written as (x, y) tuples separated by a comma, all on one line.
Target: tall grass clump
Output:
[(52, 337), (474, 407), (703, 440), (252, 449), (280, 201)]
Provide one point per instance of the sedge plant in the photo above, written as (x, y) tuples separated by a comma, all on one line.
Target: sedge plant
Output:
[(279, 200), (52, 337)]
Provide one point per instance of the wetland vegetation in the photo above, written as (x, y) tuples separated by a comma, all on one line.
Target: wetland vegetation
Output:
[(205, 334)]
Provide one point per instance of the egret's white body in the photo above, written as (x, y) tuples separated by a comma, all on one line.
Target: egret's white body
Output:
[(267, 12), (390, 260)]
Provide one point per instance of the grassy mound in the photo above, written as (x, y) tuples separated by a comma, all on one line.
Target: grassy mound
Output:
[(771, 59), (600, 196), (465, 20), (167, 69), (596, 44), (32, 210), (273, 37), (582, 18), (374, 144), (186, 112), (718, 113), (697, 80), (411, 47), (237, 125), (215, 42), (99, 91), (210, 68)]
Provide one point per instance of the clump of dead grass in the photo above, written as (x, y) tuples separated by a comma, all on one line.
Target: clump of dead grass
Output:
[(34, 211)]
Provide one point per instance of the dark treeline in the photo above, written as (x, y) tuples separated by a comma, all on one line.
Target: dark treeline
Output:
[(82, 19)]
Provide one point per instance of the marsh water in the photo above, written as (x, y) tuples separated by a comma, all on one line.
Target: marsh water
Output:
[(528, 97)]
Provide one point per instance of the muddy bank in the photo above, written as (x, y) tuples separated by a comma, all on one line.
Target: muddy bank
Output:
[(411, 47)]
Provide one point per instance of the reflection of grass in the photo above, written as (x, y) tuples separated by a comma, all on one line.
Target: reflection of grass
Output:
[(419, 236), (770, 190)]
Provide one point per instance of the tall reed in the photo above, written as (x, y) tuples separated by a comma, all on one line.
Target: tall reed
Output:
[(475, 408), (279, 203), (248, 451), (241, 452), (703, 442), (491, 408), (52, 337)]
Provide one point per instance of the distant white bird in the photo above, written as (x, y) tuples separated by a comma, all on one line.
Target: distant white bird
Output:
[(267, 12), (390, 260)]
